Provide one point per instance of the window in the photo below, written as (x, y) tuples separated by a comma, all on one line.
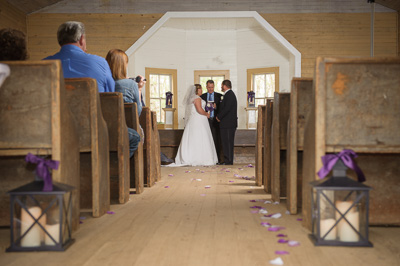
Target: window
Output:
[(264, 82), (160, 81), (202, 76)]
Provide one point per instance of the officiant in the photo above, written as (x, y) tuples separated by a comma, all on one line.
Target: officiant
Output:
[(213, 100)]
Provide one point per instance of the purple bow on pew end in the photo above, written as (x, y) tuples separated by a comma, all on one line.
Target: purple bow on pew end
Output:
[(347, 156), (42, 169)]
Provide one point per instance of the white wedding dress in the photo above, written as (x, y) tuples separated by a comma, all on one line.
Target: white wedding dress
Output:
[(197, 144)]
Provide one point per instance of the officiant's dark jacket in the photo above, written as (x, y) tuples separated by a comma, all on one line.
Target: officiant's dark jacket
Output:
[(217, 101), (228, 111)]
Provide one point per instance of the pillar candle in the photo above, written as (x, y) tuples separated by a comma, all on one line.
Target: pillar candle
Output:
[(345, 231), (325, 225), (54, 231), (34, 236)]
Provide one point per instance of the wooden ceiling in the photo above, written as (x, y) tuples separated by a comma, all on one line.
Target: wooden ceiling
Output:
[(30, 6)]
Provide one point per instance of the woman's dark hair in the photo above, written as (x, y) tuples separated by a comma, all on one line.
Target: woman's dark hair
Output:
[(13, 45)]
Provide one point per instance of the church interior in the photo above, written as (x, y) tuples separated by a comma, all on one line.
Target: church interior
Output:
[(315, 179)]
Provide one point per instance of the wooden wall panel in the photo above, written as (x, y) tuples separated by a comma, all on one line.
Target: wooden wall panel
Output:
[(11, 17), (327, 34)]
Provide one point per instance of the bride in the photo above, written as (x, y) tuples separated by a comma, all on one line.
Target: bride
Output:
[(197, 144)]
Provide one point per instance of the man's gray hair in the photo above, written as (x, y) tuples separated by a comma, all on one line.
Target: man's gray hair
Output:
[(70, 32)]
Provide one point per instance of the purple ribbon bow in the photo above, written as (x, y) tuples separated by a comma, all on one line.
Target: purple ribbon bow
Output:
[(347, 156), (42, 169)]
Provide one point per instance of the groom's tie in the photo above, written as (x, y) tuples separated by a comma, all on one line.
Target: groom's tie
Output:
[(210, 99)]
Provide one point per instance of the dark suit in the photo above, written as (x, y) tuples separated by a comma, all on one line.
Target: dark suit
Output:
[(228, 117), (214, 125)]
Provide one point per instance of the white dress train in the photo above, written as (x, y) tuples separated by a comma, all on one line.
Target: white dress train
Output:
[(197, 144)]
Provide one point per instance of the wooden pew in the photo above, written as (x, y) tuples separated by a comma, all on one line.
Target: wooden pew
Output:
[(35, 118), (156, 147), (112, 105), (84, 101), (260, 145), (300, 106), (148, 149), (136, 162), (363, 97), (278, 145), (267, 171)]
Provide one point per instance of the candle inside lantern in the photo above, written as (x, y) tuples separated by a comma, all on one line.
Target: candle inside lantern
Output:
[(54, 231), (36, 234), (325, 225), (345, 232)]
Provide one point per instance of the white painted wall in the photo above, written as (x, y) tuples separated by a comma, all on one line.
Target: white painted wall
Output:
[(233, 50)]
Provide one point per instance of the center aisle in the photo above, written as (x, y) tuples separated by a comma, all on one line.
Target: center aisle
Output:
[(203, 216)]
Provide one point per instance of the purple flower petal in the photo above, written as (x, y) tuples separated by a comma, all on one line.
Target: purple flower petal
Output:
[(293, 243), (256, 207), (252, 200), (110, 212), (230, 181), (254, 211), (166, 187), (202, 172), (265, 224), (250, 165), (299, 219), (170, 175), (240, 168), (207, 187), (82, 218), (281, 235), (80, 222), (281, 252), (275, 228), (283, 241)]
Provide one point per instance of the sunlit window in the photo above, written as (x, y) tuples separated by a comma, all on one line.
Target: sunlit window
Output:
[(202, 76), (217, 82), (264, 82), (159, 85)]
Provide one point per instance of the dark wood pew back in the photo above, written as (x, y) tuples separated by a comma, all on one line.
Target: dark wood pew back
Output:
[(84, 101), (35, 117), (112, 105), (356, 105), (156, 147), (278, 144), (148, 149), (260, 145), (136, 162), (267, 169), (300, 108)]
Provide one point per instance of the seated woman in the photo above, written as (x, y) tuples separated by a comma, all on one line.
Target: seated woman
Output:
[(118, 60)]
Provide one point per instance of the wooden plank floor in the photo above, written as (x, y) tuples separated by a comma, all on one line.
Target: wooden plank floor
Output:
[(188, 224)]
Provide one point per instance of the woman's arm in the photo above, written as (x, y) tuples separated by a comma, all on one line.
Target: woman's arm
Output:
[(199, 109)]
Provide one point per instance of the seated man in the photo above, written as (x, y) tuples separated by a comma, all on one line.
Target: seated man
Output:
[(76, 63)]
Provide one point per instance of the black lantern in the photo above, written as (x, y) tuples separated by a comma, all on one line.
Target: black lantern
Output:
[(40, 220), (340, 208)]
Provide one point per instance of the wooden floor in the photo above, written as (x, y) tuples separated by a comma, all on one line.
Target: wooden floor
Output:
[(180, 222)]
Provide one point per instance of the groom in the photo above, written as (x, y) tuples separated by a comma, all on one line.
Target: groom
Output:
[(214, 97), (227, 116)]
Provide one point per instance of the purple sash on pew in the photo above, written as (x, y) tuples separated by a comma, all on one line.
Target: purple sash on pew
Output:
[(42, 169)]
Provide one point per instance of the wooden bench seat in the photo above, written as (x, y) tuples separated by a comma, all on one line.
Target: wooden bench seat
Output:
[(35, 117), (136, 162), (356, 105), (112, 105), (83, 98), (148, 149), (156, 147)]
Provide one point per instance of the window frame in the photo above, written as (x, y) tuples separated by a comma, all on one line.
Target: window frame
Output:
[(199, 73), (259, 71), (174, 89)]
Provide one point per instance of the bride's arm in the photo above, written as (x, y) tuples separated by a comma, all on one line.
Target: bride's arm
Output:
[(199, 109)]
